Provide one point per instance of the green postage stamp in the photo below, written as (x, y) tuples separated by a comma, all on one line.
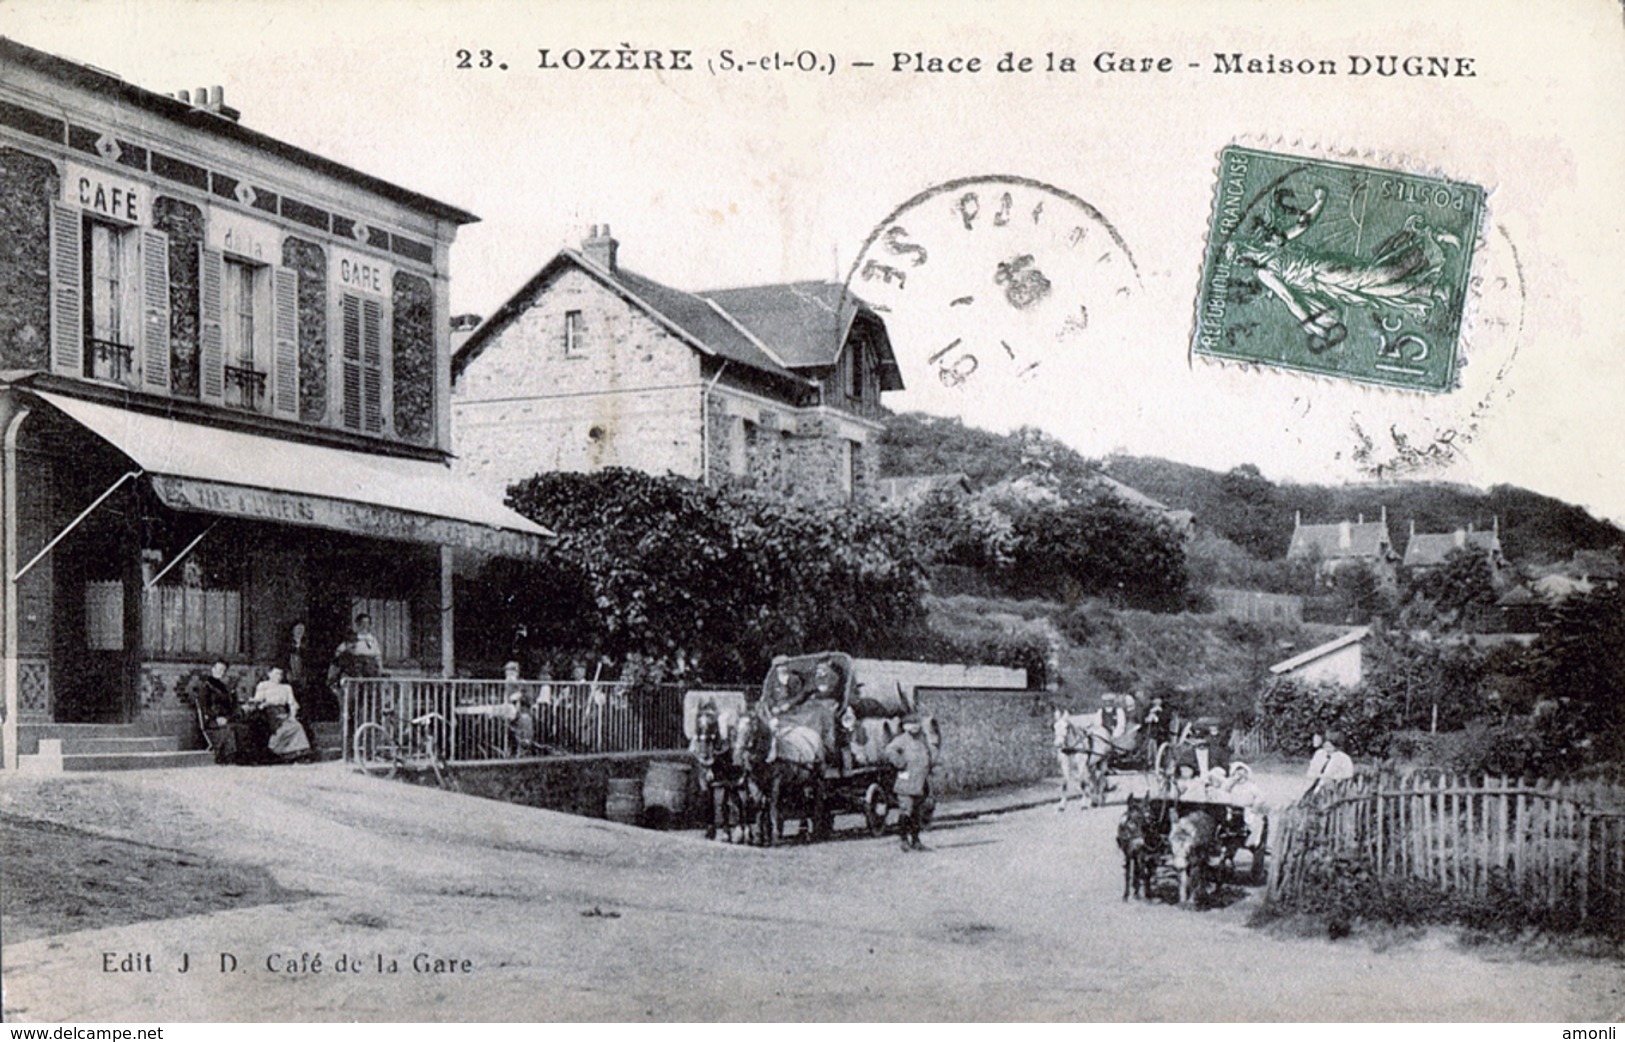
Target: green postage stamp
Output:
[(1336, 269)]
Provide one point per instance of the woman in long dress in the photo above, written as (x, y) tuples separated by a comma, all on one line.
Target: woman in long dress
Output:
[(275, 699)]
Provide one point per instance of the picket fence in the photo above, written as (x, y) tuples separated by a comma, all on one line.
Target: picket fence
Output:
[(1558, 847)]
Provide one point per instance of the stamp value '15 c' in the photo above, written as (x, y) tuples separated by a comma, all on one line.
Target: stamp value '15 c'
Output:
[(1336, 269)]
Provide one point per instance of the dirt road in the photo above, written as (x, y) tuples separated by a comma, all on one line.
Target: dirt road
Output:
[(520, 914)]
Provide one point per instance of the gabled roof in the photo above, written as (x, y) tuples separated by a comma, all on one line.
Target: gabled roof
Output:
[(1364, 539), (1426, 549), (86, 77), (786, 330), (1353, 636), (807, 323)]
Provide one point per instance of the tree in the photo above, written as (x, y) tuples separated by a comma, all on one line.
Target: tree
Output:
[(1578, 666), (1104, 547), (1458, 591)]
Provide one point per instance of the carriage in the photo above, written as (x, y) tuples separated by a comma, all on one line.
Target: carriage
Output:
[(1190, 832), (810, 746)]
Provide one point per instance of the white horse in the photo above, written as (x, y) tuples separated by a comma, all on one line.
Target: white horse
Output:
[(1084, 743)]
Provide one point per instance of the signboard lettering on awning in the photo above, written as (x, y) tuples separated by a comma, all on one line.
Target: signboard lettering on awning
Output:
[(365, 519)]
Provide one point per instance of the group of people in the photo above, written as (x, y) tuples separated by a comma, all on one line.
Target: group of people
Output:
[(267, 727)]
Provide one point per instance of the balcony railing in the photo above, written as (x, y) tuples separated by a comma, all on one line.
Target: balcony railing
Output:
[(110, 360), (570, 717), (245, 387)]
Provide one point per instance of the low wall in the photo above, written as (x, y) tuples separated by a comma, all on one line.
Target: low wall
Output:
[(880, 677), (573, 784), (990, 738)]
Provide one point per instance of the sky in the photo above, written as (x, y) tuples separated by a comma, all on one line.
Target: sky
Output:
[(724, 176)]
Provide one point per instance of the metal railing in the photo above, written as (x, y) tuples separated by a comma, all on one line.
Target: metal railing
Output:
[(482, 717)]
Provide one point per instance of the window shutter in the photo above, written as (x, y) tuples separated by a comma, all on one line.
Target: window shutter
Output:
[(67, 301), (350, 314), (155, 311), (211, 337), (372, 364), (285, 357)]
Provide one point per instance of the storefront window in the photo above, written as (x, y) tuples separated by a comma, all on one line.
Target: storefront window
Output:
[(195, 609), (391, 624)]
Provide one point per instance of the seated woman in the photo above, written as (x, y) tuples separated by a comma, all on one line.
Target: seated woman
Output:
[(219, 715), (274, 701)]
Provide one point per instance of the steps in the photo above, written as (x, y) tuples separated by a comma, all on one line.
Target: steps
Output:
[(50, 748)]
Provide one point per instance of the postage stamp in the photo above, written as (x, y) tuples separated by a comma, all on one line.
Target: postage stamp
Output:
[(1336, 269)]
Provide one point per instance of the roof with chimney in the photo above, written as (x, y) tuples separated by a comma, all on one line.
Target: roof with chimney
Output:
[(790, 330), (211, 116), (1342, 540), (1430, 549)]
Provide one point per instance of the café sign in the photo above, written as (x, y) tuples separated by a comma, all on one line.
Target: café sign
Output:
[(99, 192), (343, 515)]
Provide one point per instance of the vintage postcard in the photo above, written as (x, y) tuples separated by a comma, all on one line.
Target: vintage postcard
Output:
[(808, 512)]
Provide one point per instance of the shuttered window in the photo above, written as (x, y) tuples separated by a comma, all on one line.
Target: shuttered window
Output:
[(109, 300), (362, 340)]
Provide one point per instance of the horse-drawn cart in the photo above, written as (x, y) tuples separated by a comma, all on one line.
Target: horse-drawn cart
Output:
[(1189, 834), (811, 746)]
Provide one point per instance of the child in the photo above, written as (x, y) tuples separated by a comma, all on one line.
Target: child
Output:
[(911, 753)]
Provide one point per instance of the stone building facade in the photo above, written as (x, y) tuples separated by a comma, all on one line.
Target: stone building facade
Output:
[(224, 403), (590, 366)]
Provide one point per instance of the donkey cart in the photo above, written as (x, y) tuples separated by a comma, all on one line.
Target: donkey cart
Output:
[(1189, 843)]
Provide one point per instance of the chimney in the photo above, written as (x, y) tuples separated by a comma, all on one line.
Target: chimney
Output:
[(1361, 520), (600, 248), (1297, 519)]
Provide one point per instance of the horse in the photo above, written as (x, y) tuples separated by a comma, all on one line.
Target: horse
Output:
[(721, 778), (1138, 839), (785, 763), (1193, 843), (1085, 746)]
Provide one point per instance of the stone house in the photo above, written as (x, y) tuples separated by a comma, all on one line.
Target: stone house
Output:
[(590, 365), (1427, 550), (224, 403), (1344, 544)]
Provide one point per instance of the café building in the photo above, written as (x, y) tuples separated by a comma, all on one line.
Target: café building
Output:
[(224, 404)]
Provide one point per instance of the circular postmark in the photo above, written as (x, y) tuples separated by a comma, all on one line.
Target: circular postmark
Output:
[(992, 281)]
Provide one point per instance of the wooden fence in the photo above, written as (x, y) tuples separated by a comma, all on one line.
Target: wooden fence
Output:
[(1558, 849)]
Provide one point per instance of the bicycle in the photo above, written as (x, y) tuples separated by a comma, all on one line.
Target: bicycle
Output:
[(382, 751)]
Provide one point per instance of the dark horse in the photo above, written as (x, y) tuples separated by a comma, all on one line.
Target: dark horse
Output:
[(721, 777), (1140, 840), (785, 764)]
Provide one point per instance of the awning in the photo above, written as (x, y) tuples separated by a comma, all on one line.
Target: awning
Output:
[(213, 471)]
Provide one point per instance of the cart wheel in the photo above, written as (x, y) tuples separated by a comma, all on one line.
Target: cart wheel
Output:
[(875, 809), (374, 750)]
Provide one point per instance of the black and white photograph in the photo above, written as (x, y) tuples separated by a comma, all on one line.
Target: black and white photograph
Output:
[(744, 512)]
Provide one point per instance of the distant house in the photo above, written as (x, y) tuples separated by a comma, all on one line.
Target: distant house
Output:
[(1427, 550), (1519, 610), (1343, 544), (1596, 567), (1339, 661), (590, 365)]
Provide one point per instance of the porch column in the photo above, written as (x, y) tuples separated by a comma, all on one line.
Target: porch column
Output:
[(448, 657), (12, 416)]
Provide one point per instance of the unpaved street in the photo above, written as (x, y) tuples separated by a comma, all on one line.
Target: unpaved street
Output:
[(540, 916)]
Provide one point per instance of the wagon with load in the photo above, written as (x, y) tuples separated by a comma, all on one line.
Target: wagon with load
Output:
[(811, 745)]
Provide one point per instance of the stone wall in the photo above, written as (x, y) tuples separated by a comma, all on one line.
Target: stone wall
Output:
[(629, 395), (27, 186), (413, 358), (183, 224), (309, 261), (990, 738)]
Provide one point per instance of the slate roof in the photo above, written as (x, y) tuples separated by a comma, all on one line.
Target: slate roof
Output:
[(1365, 539), (90, 78), (1426, 549), (789, 330)]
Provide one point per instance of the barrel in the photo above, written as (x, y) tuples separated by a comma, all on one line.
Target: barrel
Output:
[(665, 793), (625, 801)]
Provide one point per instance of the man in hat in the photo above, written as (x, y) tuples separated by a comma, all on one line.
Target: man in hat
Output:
[(911, 753)]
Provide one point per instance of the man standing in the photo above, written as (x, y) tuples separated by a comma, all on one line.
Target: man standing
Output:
[(911, 753), (1330, 763)]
